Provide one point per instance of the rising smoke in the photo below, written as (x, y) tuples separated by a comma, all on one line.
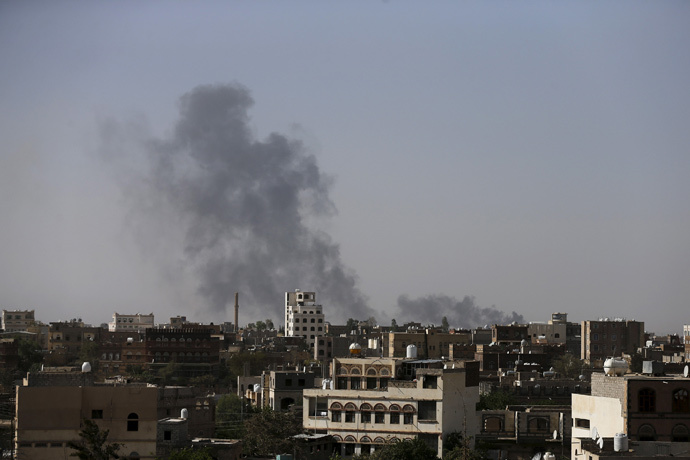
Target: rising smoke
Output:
[(242, 208), (464, 314)]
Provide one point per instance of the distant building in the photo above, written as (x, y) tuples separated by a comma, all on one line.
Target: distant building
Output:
[(17, 320), (303, 316), (430, 343), (130, 323), (605, 337)]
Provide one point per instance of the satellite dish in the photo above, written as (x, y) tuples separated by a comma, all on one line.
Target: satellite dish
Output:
[(685, 371), (600, 443), (537, 456), (594, 434), (555, 434)]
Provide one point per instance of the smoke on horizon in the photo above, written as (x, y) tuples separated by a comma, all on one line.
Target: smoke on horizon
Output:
[(211, 201), (463, 313)]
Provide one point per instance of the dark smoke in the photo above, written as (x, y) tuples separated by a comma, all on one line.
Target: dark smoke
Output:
[(242, 206), (464, 314)]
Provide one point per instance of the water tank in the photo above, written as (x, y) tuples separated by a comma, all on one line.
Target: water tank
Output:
[(325, 385), (615, 366), (549, 456), (355, 349), (548, 374), (257, 388), (130, 339), (86, 367), (412, 351), (620, 442), (184, 413)]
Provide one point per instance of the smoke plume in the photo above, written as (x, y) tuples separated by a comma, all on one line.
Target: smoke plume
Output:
[(464, 314), (241, 206)]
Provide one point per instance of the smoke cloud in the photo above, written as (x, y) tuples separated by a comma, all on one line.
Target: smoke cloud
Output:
[(240, 205), (464, 314)]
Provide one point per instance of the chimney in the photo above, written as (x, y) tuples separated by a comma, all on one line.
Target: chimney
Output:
[(237, 311)]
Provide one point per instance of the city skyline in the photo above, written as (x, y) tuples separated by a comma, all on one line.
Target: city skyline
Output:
[(488, 160)]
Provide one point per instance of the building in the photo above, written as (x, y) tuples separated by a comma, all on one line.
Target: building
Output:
[(686, 341), (17, 320), (605, 337), (285, 388), (364, 406), (303, 316), (194, 349), (50, 409), (652, 411), (430, 344), (130, 323), (511, 334)]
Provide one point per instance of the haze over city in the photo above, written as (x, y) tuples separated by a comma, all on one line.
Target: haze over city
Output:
[(484, 161)]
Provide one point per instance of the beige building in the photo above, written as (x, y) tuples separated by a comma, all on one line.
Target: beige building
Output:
[(363, 407), (130, 323), (429, 343), (17, 320), (606, 337), (50, 410)]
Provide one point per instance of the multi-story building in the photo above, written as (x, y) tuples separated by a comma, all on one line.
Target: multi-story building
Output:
[(303, 316), (193, 349), (511, 334), (50, 409), (430, 343), (605, 337), (686, 340), (652, 411), (130, 323), (364, 407), (17, 320), (285, 388)]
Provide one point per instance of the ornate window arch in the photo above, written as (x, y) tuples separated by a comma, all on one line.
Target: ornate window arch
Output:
[(680, 433), (680, 401), (646, 433)]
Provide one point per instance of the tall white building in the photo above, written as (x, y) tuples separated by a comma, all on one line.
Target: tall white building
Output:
[(303, 317), (130, 323)]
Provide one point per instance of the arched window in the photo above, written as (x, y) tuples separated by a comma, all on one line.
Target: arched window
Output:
[(493, 424), (647, 400), (646, 433), (538, 425), (395, 414), (681, 403), (132, 422), (680, 433)]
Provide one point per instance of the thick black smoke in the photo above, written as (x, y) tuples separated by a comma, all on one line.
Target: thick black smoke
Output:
[(242, 206), (464, 314)]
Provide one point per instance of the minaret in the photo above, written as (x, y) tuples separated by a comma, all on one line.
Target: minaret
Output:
[(237, 311)]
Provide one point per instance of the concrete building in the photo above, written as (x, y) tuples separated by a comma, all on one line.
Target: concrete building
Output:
[(303, 316), (605, 337), (130, 323), (50, 409), (366, 407), (652, 411), (686, 341), (285, 388), (17, 320), (430, 343)]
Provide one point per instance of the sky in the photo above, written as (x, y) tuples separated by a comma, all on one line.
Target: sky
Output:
[(485, 161)]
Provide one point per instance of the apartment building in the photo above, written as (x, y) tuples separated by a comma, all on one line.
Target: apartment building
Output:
[(364, 406), (17, 320), (430, 343), (130, 323), (606, 337), (303, 316)]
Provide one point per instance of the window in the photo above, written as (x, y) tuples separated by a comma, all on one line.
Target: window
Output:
[(349, 417), (335, 416), (355, 383), (132, 422), (427, 410), (97, 414), (167, 435), (313, 320), (680, 401), (301, 382), (493, 424), (288, 382), (646, 433), (647, 400), (371, 383), (408, 419), (538, 425), (380, 417)]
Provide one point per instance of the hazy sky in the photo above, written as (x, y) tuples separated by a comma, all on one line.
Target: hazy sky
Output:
[(443, 158)]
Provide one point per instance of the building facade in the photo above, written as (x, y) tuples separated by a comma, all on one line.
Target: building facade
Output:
[(303, 316), (50, 410), (363, 407), (605, 337), (130, 323), (17, 320)]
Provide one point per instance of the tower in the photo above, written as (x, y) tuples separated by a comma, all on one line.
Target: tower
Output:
[(237, 311)]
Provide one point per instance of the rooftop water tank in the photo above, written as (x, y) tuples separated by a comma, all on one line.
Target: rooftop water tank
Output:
[(412, 351), (355, 349), (549, 456), (615, 366), (86, 367), (184, 413), (620, 442)]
